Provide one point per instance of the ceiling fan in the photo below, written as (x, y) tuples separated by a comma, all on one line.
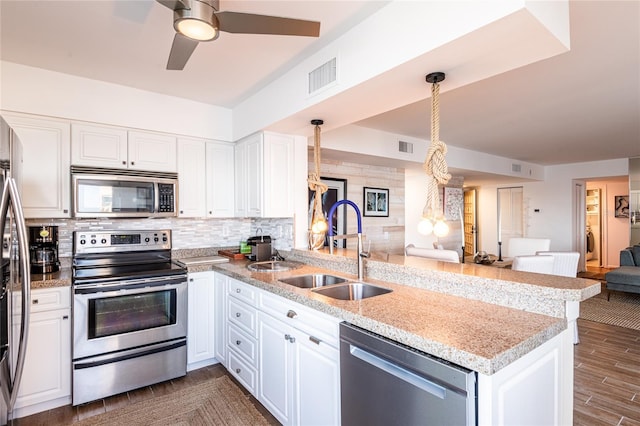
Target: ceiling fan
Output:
[(200, 20)]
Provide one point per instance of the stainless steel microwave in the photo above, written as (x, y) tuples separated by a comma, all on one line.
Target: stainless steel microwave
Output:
[(123, 193)]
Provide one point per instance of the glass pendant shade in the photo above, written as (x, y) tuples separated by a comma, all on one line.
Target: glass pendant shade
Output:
[(196, 29), (425, 226)]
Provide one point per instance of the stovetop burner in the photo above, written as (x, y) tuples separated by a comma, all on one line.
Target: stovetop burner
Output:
[(107, 256)]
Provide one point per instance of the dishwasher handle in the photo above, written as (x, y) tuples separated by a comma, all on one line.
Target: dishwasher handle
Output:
[(399, 372)]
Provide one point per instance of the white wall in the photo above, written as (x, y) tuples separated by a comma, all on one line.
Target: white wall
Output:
[(553, 198), (38, 91)]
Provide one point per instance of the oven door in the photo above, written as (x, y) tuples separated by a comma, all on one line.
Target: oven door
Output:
[(127, 314)]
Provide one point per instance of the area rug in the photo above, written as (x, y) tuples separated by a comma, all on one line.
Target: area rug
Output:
[(216, 402), (622, 309)]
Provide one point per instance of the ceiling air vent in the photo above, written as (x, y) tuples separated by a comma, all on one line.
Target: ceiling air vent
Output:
[(516, 168), (405, 147), (322, 76)]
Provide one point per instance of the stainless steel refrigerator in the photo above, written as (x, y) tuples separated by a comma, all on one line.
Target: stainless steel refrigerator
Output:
[(14, 270)]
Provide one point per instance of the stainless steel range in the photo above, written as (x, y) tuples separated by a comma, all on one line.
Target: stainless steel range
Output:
[(129, 312)]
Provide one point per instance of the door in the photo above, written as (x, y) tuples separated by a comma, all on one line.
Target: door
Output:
[(510, 216), (275, 351), (594, 227), (46, 154), (192, 178), (317, 376), (201, 323), (470, 223), (579, 231)]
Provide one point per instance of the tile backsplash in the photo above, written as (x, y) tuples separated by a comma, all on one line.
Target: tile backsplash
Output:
[(186, 233)]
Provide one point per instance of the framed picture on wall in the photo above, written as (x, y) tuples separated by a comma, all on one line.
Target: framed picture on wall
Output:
[(337, 191), (376, 202), (622, 206)]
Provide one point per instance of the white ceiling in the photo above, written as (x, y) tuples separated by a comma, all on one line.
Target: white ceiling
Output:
[(580, 106)]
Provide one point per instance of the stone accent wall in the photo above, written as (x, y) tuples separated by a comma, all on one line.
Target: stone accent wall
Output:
[(386, 234)]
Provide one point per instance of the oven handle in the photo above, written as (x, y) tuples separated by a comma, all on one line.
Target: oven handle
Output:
[(129, 285), (110, 359)]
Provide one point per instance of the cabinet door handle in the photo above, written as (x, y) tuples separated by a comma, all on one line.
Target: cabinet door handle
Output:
[(34, 302), (237, 314), (64, 317), (124, 163), (238, 370), (238, 290), (291, 314), (133, 163), (65, 211), (190, 280), (238, 342), (291, 339)]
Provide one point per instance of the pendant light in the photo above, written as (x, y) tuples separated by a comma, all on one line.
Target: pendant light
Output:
[(318, 223), (435, 166)]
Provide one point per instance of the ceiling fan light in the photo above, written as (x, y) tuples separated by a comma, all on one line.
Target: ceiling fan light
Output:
[(196, 29)]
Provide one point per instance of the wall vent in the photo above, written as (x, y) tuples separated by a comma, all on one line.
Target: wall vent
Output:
[(405, 147), (516, 168), (322, 76)]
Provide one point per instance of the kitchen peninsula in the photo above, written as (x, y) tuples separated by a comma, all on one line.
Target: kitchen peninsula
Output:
[(514, 329)]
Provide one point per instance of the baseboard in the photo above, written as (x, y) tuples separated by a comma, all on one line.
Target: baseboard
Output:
[(40, 407), (200, 364)]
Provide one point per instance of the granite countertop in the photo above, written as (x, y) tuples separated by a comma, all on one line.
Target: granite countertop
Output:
[(477, 316), (480, 336), (62, 278)]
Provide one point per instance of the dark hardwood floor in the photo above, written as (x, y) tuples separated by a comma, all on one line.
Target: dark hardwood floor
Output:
[(607, 375), (68, 415)]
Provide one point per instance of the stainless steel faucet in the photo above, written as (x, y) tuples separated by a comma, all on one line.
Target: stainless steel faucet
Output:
[(361, 253)]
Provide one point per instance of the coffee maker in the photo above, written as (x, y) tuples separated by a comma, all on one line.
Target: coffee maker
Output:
[(43, 249)]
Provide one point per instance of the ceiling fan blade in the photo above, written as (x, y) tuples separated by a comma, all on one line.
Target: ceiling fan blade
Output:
[(181, 51), (173, 4), (248, 23)]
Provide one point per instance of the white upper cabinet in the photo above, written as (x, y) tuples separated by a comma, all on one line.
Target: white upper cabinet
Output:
[(98, 146), (205, 173), (95, 145), (152, 151), (45, 168), (264, 175), (220, 179), (191, 177)]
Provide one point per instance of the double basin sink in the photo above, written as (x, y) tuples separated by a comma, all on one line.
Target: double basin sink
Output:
[(336, 287), (324, 284)]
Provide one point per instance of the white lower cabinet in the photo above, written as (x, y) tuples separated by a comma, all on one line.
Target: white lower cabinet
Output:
[(201, 320), (220, 290), (299, 373), (284, 354), (241, 333), (46, 378)]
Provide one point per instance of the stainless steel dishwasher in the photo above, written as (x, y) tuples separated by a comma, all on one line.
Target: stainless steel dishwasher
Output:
[(386, 383)]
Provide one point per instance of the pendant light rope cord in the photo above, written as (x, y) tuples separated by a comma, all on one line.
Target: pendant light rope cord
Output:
[(435, 164), (314, 178)]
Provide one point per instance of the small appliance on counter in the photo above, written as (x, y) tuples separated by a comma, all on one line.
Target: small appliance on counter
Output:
[(43, 249), (260, 248)]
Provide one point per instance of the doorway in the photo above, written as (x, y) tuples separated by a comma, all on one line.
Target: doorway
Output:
[(470, 227), (593, 224)]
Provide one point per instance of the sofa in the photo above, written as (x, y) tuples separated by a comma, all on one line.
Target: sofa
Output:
[(435, 254), (627, 276)]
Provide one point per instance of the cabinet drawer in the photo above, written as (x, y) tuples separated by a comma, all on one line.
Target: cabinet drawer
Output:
[(46, 299), (240, 342), (318, 325), (245, 374), (242, 291), (243, 316)]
